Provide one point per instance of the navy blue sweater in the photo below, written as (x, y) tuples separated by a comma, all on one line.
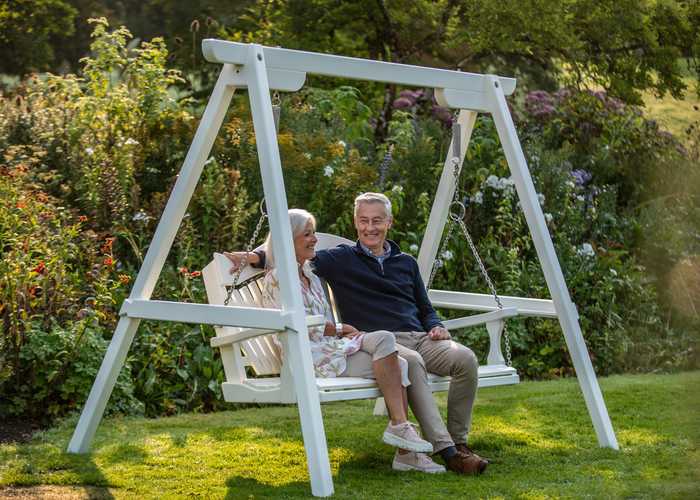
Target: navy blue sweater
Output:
[(371, 298)]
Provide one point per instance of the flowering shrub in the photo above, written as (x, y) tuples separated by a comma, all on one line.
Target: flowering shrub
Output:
[(59, 285)]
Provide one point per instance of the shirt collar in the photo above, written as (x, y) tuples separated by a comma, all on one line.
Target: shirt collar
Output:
[(387, 251)]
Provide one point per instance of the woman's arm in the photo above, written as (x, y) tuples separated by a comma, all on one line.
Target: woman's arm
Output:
[(340, 330)]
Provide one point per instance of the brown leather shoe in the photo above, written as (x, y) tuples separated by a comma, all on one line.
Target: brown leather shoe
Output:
[(466, 449), (466, 463)]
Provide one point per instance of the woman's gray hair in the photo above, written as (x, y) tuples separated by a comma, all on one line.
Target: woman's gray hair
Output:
[(374, 198), (298, 219)]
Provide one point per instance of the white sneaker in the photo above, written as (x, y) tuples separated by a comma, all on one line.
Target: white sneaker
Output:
[(416, 461), (405, 436)]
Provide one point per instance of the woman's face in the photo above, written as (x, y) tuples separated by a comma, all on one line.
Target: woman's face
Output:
[(305, 243)]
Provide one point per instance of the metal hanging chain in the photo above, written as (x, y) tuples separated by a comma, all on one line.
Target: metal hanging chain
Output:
[(457, 212), (386, 163), (248, 250), (276, 109)]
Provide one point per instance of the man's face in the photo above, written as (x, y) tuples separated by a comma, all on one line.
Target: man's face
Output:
[(372, 224)]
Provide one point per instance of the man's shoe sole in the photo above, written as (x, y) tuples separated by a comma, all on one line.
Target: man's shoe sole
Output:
[(398, 442), (405, 467)]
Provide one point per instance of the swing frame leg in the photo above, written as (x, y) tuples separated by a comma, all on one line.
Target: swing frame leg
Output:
[(566, 311), (155, 259)]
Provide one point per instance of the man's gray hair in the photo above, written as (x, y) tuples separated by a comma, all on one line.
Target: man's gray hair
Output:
[(374, 198)]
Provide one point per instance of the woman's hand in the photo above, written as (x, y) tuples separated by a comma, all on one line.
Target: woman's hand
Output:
[(237, 258), (349, 331)]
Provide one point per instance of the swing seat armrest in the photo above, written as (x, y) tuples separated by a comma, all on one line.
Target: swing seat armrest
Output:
[(479, 319), (249, 333)]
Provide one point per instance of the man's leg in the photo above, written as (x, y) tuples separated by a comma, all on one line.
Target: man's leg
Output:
[(420, 397), (448, 358)]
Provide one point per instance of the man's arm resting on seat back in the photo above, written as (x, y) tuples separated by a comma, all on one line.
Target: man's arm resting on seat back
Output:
[(321, 262)]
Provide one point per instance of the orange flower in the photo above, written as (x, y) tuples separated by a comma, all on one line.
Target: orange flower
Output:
[(108, 261), (21, 205), (124, 279), (40, 268), (195, 274), (183, 270), (83, 218)]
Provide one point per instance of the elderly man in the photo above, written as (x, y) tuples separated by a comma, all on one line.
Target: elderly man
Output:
[(377, 287)]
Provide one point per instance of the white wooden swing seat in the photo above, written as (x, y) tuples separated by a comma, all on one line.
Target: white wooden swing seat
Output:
[(254, 348)]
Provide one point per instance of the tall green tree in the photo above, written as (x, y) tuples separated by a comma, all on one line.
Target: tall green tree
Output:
[(29, 30)]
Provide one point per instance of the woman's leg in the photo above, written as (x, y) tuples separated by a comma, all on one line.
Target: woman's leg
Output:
[(387, 372)]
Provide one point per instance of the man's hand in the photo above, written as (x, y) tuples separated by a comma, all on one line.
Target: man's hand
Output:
[(439, 333), (236, 259)]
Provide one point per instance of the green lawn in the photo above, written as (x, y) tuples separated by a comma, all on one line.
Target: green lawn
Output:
[(674, 115), (538, 434)]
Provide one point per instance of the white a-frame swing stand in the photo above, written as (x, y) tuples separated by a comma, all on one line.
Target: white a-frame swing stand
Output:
[(260, 69)]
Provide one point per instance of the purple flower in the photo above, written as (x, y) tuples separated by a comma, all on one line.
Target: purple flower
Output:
[(403, 103), (413, 95), (581, 177), (442, 114), (539, 103)]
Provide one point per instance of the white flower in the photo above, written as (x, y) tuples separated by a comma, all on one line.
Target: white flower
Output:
[(540, 198), (342, 143), (478, 198), (548, 218), (209, 160), (447, 255), (89, 151), (613, 272), (328, 170), (131, 142), (586, 250), (397, 189), (493, 182), (580, 198), (307, 156), (570, 184), (141, 216), (413, 248)]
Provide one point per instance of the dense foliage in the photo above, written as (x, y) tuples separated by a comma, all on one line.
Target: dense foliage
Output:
[(88, 162)]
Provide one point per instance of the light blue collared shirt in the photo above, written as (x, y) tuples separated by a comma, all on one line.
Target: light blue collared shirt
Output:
[(379, 258)]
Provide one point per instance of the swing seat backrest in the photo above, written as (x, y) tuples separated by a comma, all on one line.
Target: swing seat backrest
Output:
[(261, 353)]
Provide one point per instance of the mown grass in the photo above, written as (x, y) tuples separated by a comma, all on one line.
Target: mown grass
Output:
[(675, 115), (538, 434)]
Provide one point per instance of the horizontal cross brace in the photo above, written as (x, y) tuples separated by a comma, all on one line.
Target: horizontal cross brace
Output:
[(480, 319), (220, 51), (484, 302), (206, 314)]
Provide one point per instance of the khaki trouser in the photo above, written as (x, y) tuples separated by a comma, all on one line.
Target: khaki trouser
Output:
[(375, 345), (444, 358)]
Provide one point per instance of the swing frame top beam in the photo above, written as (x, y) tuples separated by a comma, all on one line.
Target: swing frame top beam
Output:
[(297, 61)]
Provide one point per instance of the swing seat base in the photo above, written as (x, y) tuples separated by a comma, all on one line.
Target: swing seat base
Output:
[(269, 389)]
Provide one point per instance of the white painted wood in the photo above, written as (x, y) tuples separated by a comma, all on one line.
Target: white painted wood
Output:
[(495, 356), (154, 260), (184, 312), (441, 203), (279, 79), (566, 312), (480, 319), (237, 337), (462, 99), (485, 302), (221, 51), (297, 350)]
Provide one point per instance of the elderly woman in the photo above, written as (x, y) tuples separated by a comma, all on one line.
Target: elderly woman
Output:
[(340, 350)]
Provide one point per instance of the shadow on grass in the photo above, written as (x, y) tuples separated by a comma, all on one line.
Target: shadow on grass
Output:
[(40, 463)]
